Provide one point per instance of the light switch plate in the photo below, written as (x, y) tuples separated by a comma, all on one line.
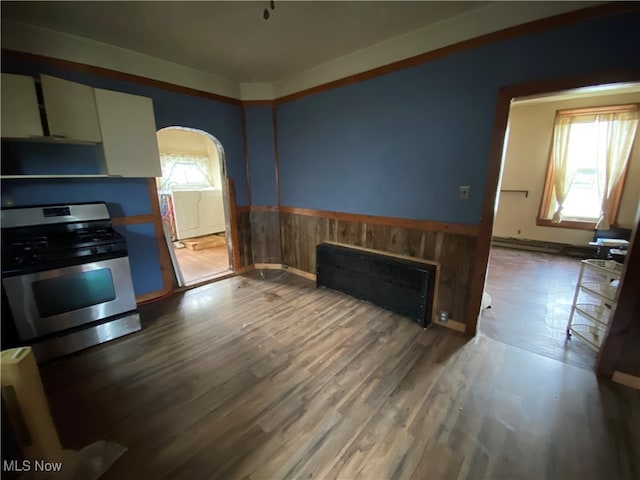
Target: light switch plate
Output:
[(463, 192)]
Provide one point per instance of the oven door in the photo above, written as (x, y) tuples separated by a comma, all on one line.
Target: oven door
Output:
[(54, 300)]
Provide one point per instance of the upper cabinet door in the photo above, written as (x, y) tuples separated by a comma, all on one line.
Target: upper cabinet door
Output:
[(71, 110), (128, 134), (20, 111)]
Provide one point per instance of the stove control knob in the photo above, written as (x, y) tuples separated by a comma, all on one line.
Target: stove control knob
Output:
[(18, 260), (94, 250)]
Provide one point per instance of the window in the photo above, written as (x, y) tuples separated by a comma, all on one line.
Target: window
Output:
[(184, 171), (590, 151)]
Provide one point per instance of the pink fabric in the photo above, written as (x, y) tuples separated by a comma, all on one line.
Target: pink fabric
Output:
[(167, 214)]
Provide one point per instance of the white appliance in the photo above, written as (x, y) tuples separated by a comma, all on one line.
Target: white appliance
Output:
[(198, 212)]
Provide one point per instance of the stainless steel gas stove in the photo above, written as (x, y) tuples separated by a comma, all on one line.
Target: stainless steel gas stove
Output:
[(66, 277)]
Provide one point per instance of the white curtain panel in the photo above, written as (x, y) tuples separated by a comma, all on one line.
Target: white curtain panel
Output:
[(617, 132), (609, 137)]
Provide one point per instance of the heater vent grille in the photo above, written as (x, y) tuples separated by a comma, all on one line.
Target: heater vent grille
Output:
[(401, 286)]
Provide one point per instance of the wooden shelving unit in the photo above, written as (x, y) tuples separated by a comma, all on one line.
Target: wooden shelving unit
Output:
[(595, 293)]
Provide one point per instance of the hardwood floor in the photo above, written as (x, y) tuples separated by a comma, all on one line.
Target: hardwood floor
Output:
[(531, 301), (200, 265), (273, 379)]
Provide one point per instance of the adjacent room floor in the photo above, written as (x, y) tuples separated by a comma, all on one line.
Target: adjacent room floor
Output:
[(202, 265), (531, 296), (272, 378)]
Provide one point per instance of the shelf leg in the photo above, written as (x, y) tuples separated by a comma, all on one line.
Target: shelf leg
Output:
[(575, 299)]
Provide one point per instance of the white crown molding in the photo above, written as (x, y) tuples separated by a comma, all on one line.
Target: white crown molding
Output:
[(485, 19), (257, 91), (63, 46)]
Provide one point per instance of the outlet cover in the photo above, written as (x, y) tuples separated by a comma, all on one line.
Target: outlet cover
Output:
[(463, 192)]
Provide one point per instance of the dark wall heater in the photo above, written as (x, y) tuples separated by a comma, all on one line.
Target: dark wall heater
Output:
[(402, 286)]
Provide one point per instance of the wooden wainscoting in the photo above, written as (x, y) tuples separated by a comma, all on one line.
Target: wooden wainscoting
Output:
[(265, 235), (454, 251), (243, 223)]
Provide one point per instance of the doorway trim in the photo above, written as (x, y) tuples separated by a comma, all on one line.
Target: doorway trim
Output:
[(228, 197), (503, 104)]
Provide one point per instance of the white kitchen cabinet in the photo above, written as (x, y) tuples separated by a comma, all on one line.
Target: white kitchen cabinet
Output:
[(20, 111), (594, 296), (128, 131), (198, 212), (122, 124), (71, 110)]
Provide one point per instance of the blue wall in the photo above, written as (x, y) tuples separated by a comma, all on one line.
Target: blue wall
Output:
[(399, 145), (129, 197), (261, 156), (145, 267), (23, 158), (124, 196)]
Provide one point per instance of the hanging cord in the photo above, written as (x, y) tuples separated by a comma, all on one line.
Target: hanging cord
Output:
[(265, 14)]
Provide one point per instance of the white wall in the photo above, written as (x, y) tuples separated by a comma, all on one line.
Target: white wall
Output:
[(182, 141), (525, 167)]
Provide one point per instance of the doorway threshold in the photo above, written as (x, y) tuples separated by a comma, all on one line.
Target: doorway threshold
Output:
[(214, 277)]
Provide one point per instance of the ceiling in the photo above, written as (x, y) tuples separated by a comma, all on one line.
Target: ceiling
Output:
[(231, 39)]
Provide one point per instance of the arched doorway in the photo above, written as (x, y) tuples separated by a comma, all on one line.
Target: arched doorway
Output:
[(193, 202)]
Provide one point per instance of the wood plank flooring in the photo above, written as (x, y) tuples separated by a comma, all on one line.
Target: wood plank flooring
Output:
[(201, 265), (271, 379), (532, 295)]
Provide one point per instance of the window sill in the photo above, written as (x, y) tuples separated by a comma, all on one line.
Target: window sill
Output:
[(571, 224)]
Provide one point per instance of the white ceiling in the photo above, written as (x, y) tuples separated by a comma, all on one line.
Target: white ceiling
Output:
[(231, 39)]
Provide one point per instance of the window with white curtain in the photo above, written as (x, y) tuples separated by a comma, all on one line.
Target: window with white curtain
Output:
[(589, 156), (185, 171)]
